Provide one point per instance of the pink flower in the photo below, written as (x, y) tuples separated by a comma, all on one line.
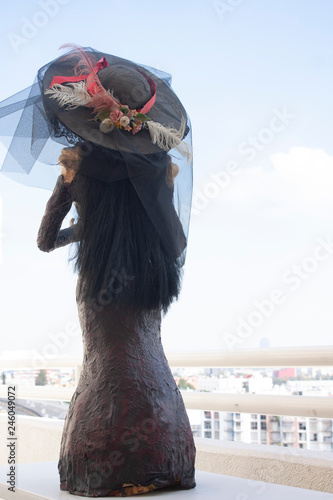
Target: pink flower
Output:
[(136, 129), (116, 115)]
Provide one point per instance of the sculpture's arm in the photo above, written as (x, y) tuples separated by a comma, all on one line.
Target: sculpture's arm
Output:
[(49, 235)]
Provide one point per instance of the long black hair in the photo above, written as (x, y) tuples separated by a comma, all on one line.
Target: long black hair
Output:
[(120, 255)]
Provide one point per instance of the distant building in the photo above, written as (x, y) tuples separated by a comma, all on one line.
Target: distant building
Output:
[(295, 432), (285, 373)]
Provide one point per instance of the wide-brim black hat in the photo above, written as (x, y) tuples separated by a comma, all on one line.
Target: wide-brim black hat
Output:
[(167, 110), (34, 126)]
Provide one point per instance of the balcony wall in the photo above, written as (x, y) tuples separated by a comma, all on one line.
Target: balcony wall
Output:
[(39, 441)]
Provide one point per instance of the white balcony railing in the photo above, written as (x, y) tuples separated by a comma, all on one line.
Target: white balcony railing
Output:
[(306, 406)]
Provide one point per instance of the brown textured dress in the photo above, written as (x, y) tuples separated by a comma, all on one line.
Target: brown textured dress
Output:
[(126, 430)]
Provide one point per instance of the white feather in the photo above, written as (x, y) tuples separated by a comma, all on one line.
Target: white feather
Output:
[(71, 95), (169, 138)]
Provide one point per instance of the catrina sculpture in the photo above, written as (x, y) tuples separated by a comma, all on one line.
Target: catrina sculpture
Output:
[(126, 165)]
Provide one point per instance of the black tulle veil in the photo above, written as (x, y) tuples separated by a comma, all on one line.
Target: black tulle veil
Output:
[(35, 132)]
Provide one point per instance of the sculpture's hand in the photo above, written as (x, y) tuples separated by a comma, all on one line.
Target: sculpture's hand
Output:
[(69, 162), (67, 174)]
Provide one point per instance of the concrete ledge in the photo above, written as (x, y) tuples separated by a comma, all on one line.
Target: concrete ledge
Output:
[(273, 464), (38, 439)]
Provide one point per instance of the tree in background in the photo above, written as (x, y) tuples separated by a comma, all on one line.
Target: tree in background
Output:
[(183, 384), (41, 378)]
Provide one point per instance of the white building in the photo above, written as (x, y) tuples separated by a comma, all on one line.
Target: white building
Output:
[(295, 432)]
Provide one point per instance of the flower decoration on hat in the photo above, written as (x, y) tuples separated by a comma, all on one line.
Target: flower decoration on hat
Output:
[(87, 90)]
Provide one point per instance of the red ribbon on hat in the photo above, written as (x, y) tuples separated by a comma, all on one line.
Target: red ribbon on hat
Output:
[(149, 104), (92, 86)]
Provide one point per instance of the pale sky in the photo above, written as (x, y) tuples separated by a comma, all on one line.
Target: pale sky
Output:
[(256, 79)]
